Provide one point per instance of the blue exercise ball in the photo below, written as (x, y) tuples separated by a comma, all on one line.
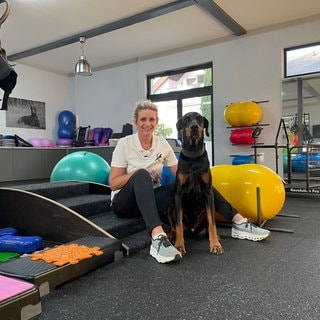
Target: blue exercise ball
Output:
[(81, 166), (244, 159), (167, 176), (299, 162), (67, 122)]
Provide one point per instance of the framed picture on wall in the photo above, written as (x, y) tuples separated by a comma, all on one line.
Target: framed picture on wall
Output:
[(24, 113)]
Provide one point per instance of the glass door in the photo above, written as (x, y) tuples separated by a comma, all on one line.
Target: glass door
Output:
[(177, 92)]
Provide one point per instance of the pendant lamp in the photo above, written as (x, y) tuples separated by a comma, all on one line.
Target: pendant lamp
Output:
[(82, 67)]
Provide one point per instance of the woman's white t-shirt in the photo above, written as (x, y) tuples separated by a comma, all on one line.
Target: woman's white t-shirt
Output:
[(129, 154)]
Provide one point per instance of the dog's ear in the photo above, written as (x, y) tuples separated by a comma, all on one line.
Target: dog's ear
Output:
[(179, 126), (206, 126)]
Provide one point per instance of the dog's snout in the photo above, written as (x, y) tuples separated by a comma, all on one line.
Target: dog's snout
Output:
[(194, 126)]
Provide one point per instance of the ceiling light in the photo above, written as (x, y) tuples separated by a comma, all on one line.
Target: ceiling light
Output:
[(82, 67)]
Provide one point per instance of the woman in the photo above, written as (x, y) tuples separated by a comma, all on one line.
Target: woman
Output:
[(135, 181)]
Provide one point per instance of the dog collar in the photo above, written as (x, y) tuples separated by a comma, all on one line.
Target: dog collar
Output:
[(187, 155)]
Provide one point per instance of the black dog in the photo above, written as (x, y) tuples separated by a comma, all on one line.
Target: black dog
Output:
[(194, 200)]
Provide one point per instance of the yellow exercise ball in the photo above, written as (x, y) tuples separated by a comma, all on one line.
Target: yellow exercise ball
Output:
[(238, 184), (241, 114)]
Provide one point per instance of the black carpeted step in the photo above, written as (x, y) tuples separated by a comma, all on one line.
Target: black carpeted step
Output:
[(137, 241), (56, 190), (87, 204), (118, 227)]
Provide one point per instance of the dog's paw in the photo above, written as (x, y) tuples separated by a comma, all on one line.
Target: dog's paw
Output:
[(181, 248), (216, 249)]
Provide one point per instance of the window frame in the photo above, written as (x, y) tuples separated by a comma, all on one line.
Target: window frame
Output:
[(179, 95), (285, 60)]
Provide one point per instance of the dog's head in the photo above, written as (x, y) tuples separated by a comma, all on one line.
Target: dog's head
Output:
[(191, 128)]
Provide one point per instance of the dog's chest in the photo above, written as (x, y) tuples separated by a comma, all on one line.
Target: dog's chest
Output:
[(190, 166), (194, 182)]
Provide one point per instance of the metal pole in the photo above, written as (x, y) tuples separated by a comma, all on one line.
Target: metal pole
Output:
[(300, 111), (258, 207)]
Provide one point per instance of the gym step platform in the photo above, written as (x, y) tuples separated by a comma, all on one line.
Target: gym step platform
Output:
[(47, 276), (19, 300)]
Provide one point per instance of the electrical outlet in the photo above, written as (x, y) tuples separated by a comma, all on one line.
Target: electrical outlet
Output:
[(261, 157)]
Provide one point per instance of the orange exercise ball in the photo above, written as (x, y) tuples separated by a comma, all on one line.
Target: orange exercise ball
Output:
[(238, 184), (242, 114)]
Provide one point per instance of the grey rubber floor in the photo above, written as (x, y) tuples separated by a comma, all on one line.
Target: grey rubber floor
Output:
[(278, 278)]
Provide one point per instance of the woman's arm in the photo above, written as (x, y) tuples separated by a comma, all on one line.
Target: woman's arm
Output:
[(174, 169), (118, 177)]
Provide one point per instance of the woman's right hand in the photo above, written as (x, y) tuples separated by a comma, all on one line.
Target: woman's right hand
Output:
[(155, 176)]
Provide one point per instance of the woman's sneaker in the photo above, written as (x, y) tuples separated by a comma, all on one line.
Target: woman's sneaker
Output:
[(163, 251), (249, 231)]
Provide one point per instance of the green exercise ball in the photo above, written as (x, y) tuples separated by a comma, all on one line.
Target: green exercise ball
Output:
[(81, 166)]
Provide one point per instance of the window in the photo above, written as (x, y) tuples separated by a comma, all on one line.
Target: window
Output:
[(177, 92), (302, 60)]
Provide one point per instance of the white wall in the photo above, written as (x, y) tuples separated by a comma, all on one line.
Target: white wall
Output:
[(39, 85), (107, 98)]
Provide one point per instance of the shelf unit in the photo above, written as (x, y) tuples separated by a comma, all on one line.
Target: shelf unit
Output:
[(276, 146), (309, 177), (25, 163), (255, 134)]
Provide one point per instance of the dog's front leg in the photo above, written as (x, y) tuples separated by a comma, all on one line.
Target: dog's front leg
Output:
[(214, 242), (179, 244), (172, 217)]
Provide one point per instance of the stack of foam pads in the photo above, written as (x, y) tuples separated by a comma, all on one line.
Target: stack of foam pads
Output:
[(26, 274), (18, 299)]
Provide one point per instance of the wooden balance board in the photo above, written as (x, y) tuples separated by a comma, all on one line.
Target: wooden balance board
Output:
[(33, 214)]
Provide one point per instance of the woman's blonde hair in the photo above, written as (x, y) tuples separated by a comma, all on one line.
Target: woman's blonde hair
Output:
[(143, 105)]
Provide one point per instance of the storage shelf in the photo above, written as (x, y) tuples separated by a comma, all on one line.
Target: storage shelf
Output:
[(31, 163), (253, 126), (254, 145)]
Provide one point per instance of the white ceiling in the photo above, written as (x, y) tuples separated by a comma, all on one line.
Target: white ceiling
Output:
[(35, 23)]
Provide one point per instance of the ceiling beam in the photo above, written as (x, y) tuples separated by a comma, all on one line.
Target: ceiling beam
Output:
[(122, 23), (218, 13)]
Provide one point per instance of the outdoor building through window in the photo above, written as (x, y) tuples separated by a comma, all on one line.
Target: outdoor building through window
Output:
[(177, 92), (302, 60)]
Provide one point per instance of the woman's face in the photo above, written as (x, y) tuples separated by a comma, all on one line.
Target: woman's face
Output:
[(146, 122)]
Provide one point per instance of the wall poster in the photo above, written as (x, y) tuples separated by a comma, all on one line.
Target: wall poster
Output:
[(24, 113)]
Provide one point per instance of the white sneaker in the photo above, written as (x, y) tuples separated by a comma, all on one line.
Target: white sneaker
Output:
[(249, 231), (163, 250)]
